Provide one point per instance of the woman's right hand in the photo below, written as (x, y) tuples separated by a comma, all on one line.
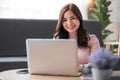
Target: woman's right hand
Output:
[(80, 67)]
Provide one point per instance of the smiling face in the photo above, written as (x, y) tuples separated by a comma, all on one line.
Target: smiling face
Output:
[(70, 22)]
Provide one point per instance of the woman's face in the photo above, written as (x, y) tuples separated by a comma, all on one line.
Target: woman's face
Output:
[(70, 21)]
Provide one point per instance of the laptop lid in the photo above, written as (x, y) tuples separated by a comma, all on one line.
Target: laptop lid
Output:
[(52, 57)]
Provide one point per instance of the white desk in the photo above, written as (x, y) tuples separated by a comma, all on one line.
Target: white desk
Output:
[(12, 75)]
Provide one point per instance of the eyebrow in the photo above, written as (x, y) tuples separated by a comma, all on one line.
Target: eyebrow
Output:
[(73, 16)]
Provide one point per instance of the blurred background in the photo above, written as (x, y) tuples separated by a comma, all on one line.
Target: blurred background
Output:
[(49, 9)]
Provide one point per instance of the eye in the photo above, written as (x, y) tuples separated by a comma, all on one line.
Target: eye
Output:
[(64, 20)]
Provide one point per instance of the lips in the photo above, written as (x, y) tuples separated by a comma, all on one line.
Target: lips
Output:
[(71, 27)]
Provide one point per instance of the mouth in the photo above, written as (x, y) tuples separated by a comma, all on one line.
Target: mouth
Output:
[(71, 27)]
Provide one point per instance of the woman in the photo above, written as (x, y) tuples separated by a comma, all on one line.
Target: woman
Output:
[(70, 26)]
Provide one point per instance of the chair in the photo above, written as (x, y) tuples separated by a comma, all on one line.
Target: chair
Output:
[(108, 44)]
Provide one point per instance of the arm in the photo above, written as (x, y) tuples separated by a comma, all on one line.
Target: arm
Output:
[(83, 53)]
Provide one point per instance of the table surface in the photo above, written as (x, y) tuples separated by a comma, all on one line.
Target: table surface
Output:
[(12, 75)]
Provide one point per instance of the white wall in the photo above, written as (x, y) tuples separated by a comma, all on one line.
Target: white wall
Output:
[(115, 19), (36, 9)]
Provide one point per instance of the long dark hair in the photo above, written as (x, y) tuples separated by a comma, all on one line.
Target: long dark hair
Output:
[(82, 34)]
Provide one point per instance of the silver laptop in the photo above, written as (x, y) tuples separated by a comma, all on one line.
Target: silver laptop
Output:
[(52, 57)]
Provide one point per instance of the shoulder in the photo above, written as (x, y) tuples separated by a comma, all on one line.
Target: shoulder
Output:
[(92, 36), (93, 39), (93, 43)]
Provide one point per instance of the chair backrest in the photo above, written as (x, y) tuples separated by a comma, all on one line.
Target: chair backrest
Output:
[(94, 27), (14, 32)]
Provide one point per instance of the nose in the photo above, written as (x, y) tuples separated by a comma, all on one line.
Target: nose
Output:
[(69, 22)]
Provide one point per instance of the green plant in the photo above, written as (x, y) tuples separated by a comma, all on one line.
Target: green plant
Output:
[(101, 13)]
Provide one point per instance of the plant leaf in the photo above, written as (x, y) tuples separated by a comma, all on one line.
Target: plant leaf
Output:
[(105, 33), (107, 3)]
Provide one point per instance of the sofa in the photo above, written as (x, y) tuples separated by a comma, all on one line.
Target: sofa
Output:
[(14, 32)]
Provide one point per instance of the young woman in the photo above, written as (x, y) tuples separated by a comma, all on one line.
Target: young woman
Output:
[(70, 26)]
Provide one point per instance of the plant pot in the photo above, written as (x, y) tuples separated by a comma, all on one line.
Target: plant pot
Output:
[(101, 74)]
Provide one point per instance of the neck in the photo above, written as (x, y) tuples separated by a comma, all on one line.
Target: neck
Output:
[(73, 35)]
